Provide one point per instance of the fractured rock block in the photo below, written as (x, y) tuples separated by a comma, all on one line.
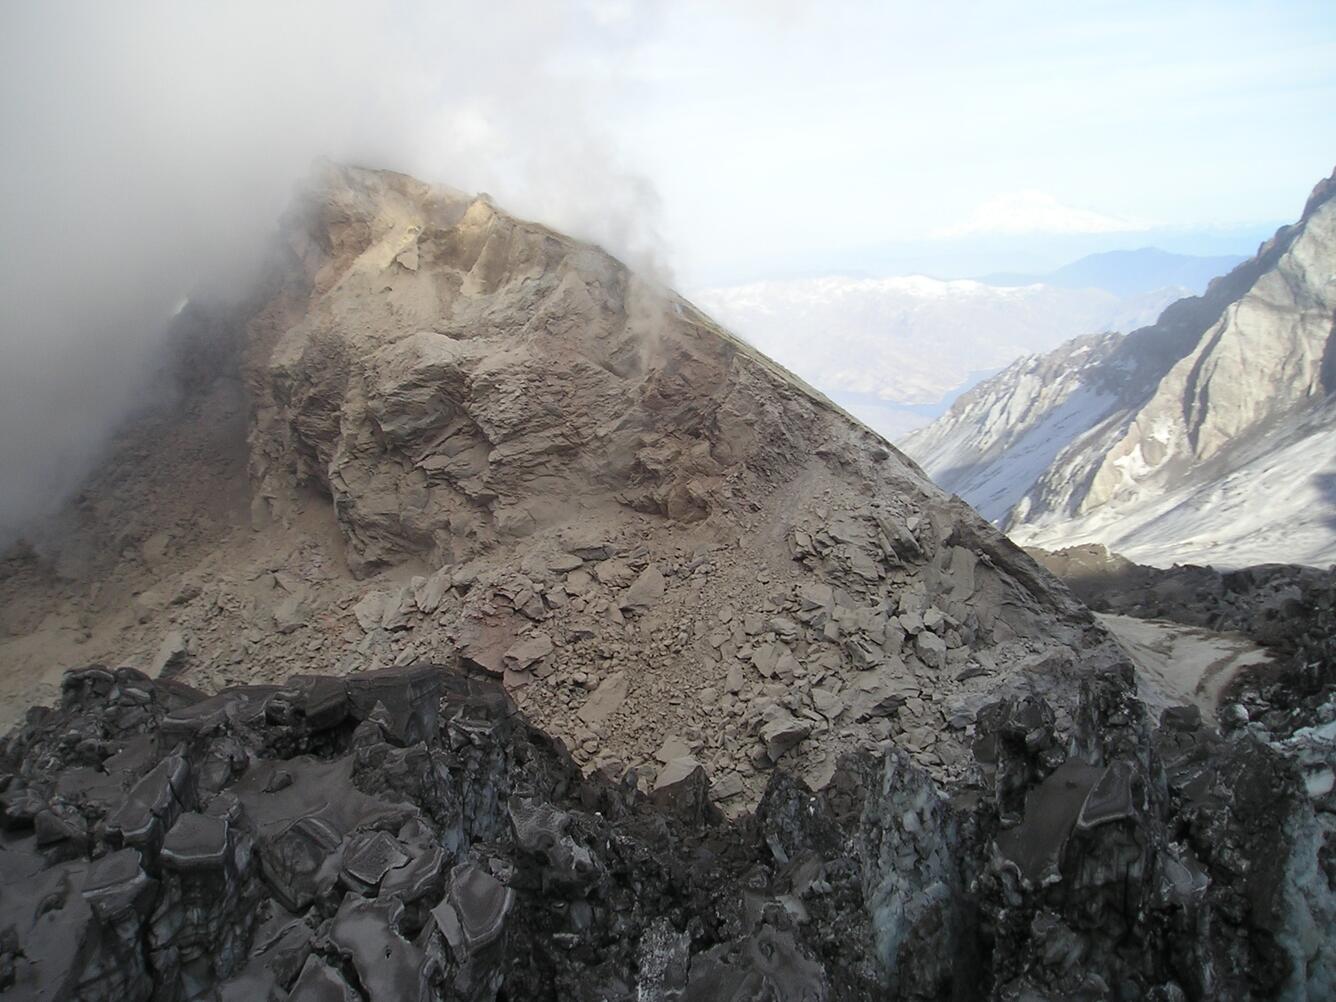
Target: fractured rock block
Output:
[(645, 592), (410, 693), (205, 915), (152, 807), (931, 650), (389, 968)]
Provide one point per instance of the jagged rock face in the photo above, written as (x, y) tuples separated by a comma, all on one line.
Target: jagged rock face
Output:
[(655, 536), (1166, 444), (457, 375), (406, 834), (401, 835)]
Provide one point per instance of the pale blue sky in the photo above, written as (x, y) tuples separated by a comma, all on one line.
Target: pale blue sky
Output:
[(722, 139), (776, 136)]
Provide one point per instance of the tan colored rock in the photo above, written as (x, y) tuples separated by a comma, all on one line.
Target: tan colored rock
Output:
[(433, 383), (614, 573), (735, 680), (604, 701), (291, 613), (645, 592), (727, 787), (931, 649), (781, 732), (370, 610), (483, 643), (428, 592), (172, 653), (529, 650), (673, 747), (578, 583)]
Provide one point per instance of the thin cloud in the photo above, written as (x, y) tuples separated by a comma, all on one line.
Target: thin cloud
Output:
[(1027, 212), (150, 147)]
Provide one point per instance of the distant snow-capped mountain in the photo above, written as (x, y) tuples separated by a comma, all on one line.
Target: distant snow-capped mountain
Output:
[(890, 348), (1209, 436)]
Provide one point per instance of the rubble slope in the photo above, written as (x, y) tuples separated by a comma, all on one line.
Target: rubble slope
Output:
[(465, 432)]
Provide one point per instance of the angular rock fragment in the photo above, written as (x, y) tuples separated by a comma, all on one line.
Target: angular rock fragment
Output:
[(411, 695), (605, 700), (388, 967), (398, 609), (473, 913), (370, 610), (367, 858), (152, 807), (645, 591), (672, 747), (292, 612), (781, 731), (727, 786), (429, 591), (204, 920), (526, 652), (931, 650), (318, 982), (735, 680), (682, 786), (172, 653)]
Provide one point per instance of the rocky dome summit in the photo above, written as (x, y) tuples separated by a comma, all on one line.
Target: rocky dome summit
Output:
[(436, 430)]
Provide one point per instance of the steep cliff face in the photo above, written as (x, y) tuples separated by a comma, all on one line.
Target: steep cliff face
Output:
[(1207, 436), (1006, 431)]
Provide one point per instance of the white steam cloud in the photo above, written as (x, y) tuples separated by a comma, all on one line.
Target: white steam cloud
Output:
[(150, 146)]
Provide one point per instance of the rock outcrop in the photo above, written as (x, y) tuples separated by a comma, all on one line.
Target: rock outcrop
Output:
[(407, 834), (456, 376), (1192, 439), (465, 432)]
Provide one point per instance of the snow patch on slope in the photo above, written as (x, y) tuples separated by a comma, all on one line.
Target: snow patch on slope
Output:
[(1281, 501), (1209, 436)]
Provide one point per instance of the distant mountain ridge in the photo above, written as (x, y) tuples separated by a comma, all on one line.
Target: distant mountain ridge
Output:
[(1208, 436), (902, 342), (1129, 272)]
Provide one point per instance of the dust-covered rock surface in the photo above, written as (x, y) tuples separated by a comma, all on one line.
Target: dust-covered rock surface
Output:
[(407, 833), (434, 427)]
